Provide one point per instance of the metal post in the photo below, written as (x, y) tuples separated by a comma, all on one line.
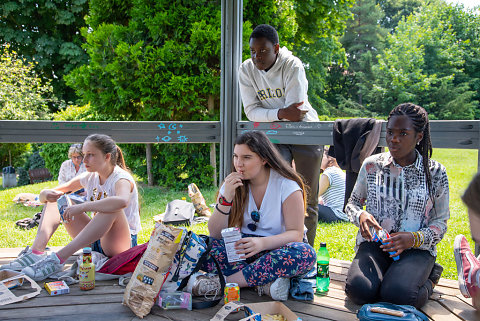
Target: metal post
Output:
[(477, 246), (231, 57)]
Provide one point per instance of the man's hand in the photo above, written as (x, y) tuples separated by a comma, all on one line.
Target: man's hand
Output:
[(292, 112)]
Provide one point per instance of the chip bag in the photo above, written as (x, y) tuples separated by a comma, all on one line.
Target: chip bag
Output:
[(149, 275)]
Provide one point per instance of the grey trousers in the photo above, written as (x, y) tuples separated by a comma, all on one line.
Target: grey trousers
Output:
[(308, 159)]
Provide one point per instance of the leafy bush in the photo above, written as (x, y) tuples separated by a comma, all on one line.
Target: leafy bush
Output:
[(32, 159), (173, 165), (54, 155)]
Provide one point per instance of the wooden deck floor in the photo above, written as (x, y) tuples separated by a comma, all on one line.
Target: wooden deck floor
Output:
[(104, 303)]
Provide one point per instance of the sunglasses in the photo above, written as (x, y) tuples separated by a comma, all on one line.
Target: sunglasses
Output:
[(76, 146), (255, 215)]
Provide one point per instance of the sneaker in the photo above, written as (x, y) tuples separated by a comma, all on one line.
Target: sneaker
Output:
[(435, 274), (44, 268), (277, 290), (204, 284), (23, 260), (467, 267)]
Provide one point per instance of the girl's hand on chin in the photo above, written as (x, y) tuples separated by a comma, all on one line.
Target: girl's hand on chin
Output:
[(232, 181)]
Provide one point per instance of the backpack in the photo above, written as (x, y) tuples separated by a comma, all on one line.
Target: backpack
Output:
[(178, 212), (193, 251), (378, 311)]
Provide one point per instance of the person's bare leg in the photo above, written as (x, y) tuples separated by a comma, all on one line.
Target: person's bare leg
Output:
[(237, 278), (112, 229), (49, 222)]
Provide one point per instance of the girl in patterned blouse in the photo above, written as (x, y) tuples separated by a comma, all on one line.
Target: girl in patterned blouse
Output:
[(405, 194)]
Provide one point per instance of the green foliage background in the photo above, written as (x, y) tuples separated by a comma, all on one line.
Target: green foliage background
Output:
[(160, 60)]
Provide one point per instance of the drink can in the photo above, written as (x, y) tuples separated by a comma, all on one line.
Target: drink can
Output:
[(382, 236), (232, 293)]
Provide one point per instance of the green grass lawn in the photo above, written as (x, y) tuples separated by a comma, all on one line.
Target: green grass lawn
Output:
[(461, 166)]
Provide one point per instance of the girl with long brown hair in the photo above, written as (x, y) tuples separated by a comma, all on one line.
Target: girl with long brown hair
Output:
[(265, 199), (112, 197)]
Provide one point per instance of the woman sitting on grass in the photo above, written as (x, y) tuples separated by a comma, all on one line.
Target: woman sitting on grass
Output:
[(73, 166), (331, 190), (265, 198), (111, 197), (406, 194)]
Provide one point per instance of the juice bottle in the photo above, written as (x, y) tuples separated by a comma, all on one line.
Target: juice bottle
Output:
[(323, 261), (86, 277)]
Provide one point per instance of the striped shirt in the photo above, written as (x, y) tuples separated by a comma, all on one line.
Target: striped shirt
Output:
[(398, 198), (335, 194)]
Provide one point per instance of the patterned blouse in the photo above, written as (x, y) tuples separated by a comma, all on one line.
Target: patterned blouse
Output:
[(68, 171), (398, 198)]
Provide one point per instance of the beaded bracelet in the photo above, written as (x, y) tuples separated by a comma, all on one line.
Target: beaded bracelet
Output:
[(224, 213), (414, 239), (422, 237)]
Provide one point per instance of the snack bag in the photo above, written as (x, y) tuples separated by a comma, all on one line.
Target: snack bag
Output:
[(198, 201), (149, 275)]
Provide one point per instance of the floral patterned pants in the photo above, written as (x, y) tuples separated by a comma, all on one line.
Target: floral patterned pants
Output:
[(292, 259)]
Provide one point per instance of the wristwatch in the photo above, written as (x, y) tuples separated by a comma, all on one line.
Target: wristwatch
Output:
[(223, 201)]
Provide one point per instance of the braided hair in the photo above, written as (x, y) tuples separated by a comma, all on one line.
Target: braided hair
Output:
[(419, 117)]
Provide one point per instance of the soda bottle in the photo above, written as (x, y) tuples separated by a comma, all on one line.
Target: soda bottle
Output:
[(86, 277), (323, 261)]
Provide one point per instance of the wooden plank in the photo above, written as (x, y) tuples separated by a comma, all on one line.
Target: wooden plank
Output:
[(91, 309), (437, 312), (459, 308)]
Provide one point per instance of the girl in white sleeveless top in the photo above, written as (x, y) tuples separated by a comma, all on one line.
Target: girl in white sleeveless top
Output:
[(112, 199), (265, 199)]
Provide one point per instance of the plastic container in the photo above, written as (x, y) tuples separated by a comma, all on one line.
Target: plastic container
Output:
[(323, 265), (86, 277)]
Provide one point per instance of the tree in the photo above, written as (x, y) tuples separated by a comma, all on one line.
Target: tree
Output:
[(23, 96), (397, 10), (425, 63), (146, 65), (363, 40), (46, 32)]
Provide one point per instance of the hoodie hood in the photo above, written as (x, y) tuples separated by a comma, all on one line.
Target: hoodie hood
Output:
[(283, 55)]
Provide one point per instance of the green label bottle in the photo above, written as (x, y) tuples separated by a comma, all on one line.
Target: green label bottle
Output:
[(323, 275)]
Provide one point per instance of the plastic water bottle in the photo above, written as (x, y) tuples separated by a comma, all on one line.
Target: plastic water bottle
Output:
[(323, 262)]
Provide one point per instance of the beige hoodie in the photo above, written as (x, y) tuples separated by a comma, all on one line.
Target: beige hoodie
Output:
[(264, 93)]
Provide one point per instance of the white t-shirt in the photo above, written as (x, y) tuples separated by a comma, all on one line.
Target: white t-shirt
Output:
[(67, 171), (96, 191), (271, 221), (335, 194)]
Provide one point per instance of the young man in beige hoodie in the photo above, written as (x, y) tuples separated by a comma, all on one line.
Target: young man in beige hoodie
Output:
[(274, 87)]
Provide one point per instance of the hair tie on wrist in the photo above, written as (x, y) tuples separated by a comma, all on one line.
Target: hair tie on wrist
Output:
[(224, 213)]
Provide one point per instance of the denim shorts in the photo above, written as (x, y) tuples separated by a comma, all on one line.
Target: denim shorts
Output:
[(97, 247)]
